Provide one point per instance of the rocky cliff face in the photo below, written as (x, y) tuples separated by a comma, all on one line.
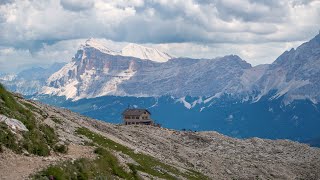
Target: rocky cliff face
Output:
[(94, 73), (295, 73), (98, 71)]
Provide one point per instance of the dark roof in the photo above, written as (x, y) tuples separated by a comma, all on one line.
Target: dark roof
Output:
[(135, 112)]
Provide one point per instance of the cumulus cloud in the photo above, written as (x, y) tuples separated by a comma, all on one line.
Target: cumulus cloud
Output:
[(5, 1), (34, 25), (16, 59), (77, 5)]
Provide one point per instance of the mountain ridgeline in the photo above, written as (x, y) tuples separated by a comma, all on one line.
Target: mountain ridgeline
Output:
[(93, 73), (227, 94)]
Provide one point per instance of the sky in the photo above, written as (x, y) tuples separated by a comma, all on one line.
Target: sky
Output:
[(40, 32)]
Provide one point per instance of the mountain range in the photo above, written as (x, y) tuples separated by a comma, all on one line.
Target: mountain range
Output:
[(96, 71)]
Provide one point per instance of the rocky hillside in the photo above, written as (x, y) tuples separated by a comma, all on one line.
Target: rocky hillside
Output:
[(82, 148), (294, 74)]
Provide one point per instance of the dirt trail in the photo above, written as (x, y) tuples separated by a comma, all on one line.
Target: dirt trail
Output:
[(23, 166)]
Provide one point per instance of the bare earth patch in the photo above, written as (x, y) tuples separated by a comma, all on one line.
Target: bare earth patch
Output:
[(16, 166)]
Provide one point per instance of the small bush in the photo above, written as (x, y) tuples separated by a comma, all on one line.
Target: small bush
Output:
[(104, 167), (8, 139), (49, 134), (56, 120), (35, 144), (61, 148)]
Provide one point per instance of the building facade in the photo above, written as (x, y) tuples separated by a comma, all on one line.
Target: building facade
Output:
[(137, 116)]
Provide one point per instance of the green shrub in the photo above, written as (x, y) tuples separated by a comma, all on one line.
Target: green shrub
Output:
[(48, 134), (104, 167), (12, 109), (56, 119), (38, 140), (61, 148), (8, 139), (35, 143)]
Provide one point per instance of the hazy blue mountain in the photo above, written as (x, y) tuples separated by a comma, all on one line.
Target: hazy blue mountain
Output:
[(29, 81)]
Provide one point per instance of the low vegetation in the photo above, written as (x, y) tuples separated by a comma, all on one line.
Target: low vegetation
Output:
[(7, 138), (147, 164), (56, 119), (61, 148), (35, 109), (107, 166), (40, 138)]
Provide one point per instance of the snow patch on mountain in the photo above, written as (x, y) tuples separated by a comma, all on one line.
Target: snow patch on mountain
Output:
[(142, 52), (131, 50), (198, 101), (99, 45), (7, 77), (184, 102), (217, 95)]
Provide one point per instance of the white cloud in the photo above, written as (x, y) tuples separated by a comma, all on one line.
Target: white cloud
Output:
[(18, 59), (253, 53), (77, 5), (249, 28)]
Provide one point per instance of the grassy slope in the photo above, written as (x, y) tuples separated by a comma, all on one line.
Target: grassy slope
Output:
[(107, 166), (147, 164), (39, 140)]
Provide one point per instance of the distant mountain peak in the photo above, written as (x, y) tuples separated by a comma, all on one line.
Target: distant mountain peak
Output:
[(142, 52), (99, 45), (131, 50)]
